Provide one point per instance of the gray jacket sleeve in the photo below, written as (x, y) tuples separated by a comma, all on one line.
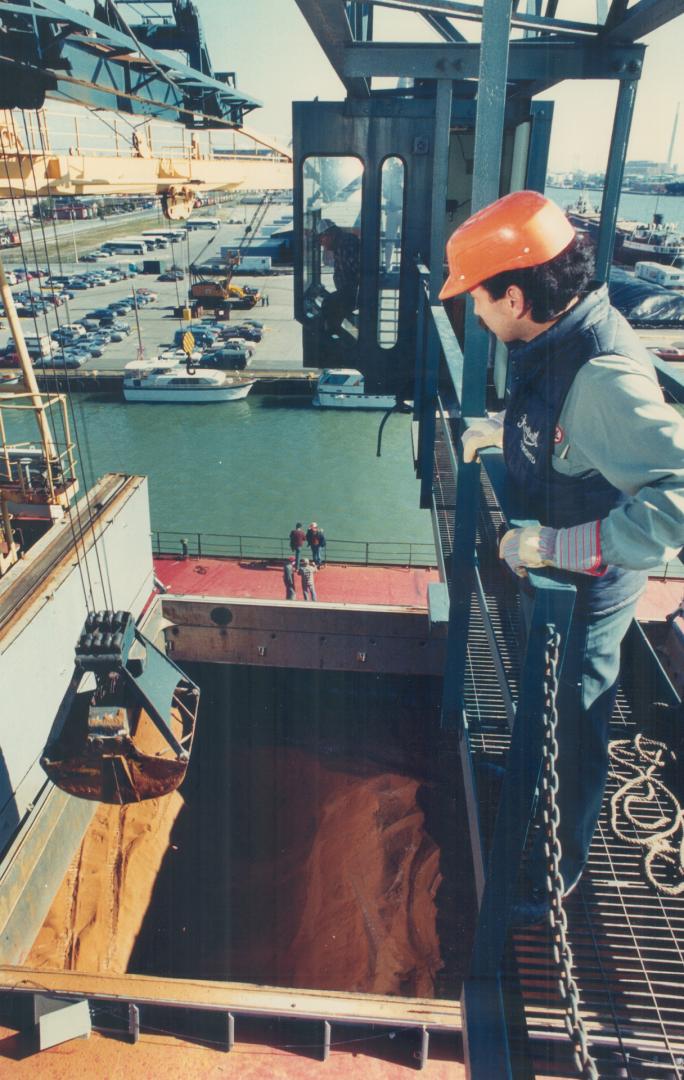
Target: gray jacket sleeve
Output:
[(615, 420)]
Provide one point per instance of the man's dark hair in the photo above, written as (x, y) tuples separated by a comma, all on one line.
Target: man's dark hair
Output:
[(549, 287), (298, 525)]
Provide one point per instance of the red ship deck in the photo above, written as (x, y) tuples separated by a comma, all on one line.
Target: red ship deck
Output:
[(345, 583), (261, 579)]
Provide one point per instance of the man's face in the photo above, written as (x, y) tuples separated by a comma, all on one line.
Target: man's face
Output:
[(499, 316), (325, 240)]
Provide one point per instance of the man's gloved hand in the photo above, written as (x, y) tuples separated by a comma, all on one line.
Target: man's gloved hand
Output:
[(577, 548), (485, 432)]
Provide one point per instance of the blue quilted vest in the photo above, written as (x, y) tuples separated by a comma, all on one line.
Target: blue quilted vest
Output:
[(542, 372)]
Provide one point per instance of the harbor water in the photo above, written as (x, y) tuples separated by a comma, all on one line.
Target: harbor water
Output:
[(632, 207), (255, 467)]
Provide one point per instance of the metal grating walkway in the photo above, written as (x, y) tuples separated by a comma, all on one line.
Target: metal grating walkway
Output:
[(627, 939)]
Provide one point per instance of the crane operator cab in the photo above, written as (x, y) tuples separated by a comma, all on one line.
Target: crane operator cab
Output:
[(356, 287)]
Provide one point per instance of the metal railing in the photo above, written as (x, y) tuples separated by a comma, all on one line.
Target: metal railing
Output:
[(240, 546)]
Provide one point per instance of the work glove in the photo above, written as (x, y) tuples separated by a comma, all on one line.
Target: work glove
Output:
[(577, 549), (485, 432)]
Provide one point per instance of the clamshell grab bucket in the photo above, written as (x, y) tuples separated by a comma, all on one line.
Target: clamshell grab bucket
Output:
[(125, 728)]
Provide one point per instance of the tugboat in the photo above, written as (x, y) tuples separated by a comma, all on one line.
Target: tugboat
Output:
[(587, 218), (659, 242)]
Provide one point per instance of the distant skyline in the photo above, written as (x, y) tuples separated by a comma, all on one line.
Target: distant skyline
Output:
[(278, 60)]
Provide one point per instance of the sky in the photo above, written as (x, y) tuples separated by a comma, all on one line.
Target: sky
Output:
[(277, 59)]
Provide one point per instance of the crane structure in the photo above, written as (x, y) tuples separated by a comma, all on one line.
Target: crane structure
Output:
[(51, 50)]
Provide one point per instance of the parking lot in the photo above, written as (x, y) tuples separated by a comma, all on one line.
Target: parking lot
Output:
[(279, 349)]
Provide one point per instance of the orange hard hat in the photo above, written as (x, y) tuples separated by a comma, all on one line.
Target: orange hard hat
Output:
[(520, 230)]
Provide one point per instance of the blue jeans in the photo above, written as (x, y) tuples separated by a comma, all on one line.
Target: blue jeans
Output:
[(586, 695), (297, 556), (316, 555)]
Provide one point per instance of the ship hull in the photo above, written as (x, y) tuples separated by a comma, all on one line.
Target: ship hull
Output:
[(199, 396), (354, 401)]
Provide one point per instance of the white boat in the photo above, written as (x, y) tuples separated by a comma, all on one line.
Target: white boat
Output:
[(345, 388), (166, 380)]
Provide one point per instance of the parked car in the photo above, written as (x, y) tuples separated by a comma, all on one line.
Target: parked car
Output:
[(90, 324), (114, 324), (171, 275), (202, 335), (65, 337), (95, 348), (100, 337), (248, 333), (232, 359), (68, 358)]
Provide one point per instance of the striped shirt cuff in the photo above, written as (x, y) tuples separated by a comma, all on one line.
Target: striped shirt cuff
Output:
[(579, 549)]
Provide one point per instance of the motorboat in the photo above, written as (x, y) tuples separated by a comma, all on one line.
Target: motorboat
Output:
[(345, 388), (168, 380)]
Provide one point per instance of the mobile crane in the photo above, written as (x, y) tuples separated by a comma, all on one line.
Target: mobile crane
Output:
[(224, 294)]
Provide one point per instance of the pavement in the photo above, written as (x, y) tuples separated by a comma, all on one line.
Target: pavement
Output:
[(280, 348)]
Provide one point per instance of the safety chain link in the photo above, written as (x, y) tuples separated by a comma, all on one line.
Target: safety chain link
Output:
[(562, 952)]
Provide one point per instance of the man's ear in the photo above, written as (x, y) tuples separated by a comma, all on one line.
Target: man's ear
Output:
[(516, 301)]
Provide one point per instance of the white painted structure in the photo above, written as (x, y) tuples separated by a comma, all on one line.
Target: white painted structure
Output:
[(345, 388), (670, 277)]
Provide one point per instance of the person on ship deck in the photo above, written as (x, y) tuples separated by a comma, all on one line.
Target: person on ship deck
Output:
[(593, 453)]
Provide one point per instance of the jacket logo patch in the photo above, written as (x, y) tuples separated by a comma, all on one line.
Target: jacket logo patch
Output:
[(558, 435), (529, 440)]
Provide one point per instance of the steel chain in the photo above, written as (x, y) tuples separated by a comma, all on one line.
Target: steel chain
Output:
[(562, 953)]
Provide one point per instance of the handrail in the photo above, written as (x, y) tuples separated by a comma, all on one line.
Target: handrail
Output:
[(337, 550), (551, 607)]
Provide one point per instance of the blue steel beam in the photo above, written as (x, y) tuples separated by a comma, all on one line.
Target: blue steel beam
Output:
[(617, 156), (550, 61), (641, 19), (440, 169), (444, 28), (329, 23), (360, 17), (98, 60), (541, 116), (471, 12)]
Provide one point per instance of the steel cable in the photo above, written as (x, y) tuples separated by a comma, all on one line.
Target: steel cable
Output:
[(105, 578)]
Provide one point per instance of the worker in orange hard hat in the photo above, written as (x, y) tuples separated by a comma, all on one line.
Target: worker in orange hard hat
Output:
[(592, 453)]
